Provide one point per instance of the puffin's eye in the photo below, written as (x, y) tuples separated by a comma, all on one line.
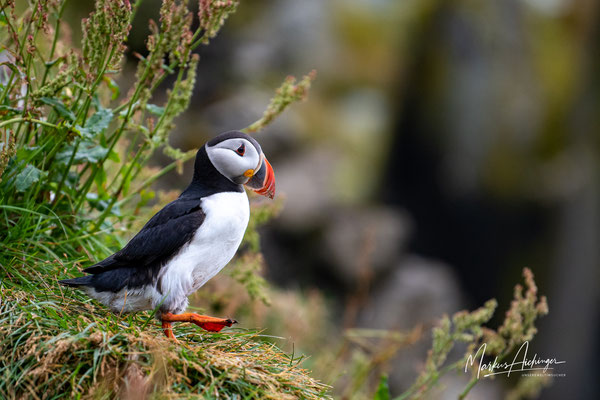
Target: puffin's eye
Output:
[(241, 150)]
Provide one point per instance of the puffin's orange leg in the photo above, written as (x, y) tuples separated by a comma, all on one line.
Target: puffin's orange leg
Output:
[(210, 324), (168, 330)]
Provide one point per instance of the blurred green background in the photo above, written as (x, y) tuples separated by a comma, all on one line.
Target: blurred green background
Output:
[(445, 145)]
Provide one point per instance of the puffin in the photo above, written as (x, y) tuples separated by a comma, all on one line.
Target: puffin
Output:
[(188, 241)]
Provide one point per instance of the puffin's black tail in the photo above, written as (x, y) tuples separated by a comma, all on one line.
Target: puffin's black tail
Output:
[(76, 282)]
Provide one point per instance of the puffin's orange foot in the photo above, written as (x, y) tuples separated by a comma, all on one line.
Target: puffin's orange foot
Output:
[(210, 324), (215, 325)]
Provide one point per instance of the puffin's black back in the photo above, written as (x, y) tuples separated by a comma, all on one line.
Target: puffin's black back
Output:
[(140, 261)]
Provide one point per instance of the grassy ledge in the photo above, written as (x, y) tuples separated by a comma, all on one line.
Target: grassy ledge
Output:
[(63, 346)]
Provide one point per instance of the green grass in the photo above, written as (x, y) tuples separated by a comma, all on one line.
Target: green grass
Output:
[(63, 346)]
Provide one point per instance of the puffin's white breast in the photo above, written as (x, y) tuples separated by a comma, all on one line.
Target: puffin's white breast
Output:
[(213, 245)]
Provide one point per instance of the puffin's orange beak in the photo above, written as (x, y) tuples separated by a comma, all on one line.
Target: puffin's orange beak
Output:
[(263, 180)]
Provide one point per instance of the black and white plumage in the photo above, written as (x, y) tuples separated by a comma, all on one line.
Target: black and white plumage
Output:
[(191, 239)]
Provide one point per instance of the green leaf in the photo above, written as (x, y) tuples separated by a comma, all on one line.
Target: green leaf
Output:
[(145, 197), (92, 154), (99, 121), (3, 19), (26, 152), (383, 389), (87, 152), (59, 107), (114, 156), (28, 177), (8, 110), (154, 109), (100, 180)]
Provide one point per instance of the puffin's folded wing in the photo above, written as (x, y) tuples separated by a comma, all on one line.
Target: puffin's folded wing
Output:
[(161, 237)]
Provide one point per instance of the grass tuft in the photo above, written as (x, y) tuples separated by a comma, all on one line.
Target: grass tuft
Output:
[(62, 345)]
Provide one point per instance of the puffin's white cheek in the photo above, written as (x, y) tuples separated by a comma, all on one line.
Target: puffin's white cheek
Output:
[(226, 162)]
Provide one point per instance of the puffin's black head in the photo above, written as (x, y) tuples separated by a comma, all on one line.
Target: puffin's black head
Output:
[(239, 158)]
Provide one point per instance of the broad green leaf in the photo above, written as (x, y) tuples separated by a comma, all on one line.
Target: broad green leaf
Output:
[(26, 152), (92, 154), (28, 177), (99, 121), (154, 109), (86, 153), (59, 107), (3, 19)]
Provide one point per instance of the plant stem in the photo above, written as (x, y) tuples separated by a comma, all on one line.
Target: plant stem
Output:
[(27, 119), (54, 40), (468, 388)]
